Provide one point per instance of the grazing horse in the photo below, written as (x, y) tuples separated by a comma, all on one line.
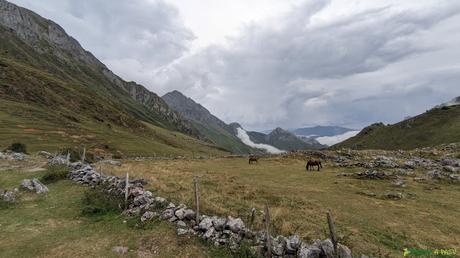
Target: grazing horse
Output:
[(253, 159), (313, 163)]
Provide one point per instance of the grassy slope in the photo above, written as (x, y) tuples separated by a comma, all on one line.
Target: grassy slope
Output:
[(220, 137), (48, 107), (432, 128), (53, 226), (298, 201)]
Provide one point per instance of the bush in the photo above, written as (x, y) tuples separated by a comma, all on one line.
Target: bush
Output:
[(55, 173), (18, 147), (98, 202), (75, 155)]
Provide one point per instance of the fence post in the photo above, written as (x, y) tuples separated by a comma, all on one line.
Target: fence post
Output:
[(267, 232), (197, 199), (83, 155), (332, 232), (126, 190), (68, 158), (253, 217)]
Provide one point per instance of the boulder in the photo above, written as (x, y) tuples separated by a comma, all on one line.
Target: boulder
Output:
[(9, 197), (167, 214), (39, 187), (279, 246), (181, 231), (181, 224), (148, 215), (27, 184), (394, 196), (34, 185), (327, 248), (219, 223), (308, 251), (293, 244), (343, 251), (120, 250), (205, 224), (235, 225), (189, 214)]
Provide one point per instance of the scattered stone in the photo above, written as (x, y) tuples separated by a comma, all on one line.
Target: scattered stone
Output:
[(205, 224), (45, 154), (148, 215), (399, 183), (394, 196), (9, 197), (112, 162), (181, 224), (120, 249), (181, 231), (34, 185), (374, 174), (235, 225)]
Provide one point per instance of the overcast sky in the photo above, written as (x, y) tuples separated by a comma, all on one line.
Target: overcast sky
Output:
[(269, 63)]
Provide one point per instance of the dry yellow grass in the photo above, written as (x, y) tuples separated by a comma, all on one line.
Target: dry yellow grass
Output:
[(298, 201)]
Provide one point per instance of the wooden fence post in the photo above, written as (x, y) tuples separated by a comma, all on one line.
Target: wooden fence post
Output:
[(253, 217), (68, 158), (332, 232), (126, 190), (267, 232), (197, 199), (83, 155)]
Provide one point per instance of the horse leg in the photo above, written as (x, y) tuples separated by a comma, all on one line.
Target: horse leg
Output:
[(318, 167)]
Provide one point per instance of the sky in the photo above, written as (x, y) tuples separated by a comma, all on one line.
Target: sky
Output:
[(270, 63)]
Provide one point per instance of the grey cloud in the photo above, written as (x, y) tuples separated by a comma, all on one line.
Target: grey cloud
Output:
[(132, 37), (299, 72)]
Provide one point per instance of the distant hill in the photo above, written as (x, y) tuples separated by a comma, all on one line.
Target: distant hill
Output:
[(211, 127), (319, 131), (284, 140), (436, 126), (55, 94)]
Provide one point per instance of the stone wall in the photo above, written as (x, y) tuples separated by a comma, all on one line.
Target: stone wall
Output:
[(221, 231)]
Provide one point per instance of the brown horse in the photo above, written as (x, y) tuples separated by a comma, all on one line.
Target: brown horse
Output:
[(313, 163), (253, 159)]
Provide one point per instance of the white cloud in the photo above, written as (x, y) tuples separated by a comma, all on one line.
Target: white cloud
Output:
[(331, 140), (244, 137)]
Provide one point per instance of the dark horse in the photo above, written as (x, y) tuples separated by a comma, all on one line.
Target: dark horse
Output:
[(313, 163), (253, 159)]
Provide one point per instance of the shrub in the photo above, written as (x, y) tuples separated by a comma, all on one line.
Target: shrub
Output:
[(55, 173), (75, 155), (18, 147), (98, 202)]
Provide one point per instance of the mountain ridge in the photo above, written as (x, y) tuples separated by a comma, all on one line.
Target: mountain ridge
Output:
[(54, 94), (216, 130), (440, 125)]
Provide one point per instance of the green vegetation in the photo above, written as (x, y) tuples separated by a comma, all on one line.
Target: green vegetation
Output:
[(435, 127), (18, 147), (54, 174), (298, 201), (54, 226), (98, 202), (50, 103)]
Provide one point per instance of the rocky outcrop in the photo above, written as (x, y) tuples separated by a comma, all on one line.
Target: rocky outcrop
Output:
[(9, 155), (34, 185)]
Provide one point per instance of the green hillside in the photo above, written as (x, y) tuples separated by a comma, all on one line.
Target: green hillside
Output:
[(434, 127), (56, 94)]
